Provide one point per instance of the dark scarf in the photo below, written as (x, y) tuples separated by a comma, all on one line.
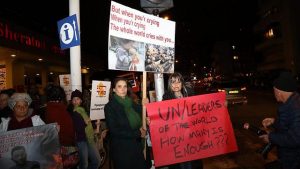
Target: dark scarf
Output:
[(14, 124), (134, 118)]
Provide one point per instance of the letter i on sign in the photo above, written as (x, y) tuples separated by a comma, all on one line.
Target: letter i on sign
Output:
[(68, 32)]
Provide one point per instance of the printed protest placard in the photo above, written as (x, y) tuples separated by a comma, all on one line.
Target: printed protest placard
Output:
[(66, 83), (2, 77), (99, 97), (35, 147), (140, 41), (190, 128)]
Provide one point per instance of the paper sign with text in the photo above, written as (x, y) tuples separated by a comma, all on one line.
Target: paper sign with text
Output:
[(99, 97), (34, 147), (2, 77), (190, 128), (140, 41), (66, 83)]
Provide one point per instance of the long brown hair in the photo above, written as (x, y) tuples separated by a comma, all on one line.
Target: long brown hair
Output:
[(179, 77), (114, 83)]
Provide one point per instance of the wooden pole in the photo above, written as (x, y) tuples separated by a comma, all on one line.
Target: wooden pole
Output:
[(144, 96), (144, 108)]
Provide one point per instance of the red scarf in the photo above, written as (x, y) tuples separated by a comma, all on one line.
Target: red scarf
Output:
[(14, 124)]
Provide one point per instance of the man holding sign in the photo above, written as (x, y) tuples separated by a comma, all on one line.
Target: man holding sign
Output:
[(189, 128)]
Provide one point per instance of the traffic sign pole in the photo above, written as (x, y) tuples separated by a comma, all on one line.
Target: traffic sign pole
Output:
[(75, 52)]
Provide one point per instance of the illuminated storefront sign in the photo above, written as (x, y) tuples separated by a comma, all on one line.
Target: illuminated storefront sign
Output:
[(17, 36)]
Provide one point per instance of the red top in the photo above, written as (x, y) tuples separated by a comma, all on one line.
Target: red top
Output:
[(57, 112)]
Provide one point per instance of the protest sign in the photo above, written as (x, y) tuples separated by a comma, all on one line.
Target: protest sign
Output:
[(140, 41), (2, 77), (66, 83), (190, 128), (39, 146), (99, 97)]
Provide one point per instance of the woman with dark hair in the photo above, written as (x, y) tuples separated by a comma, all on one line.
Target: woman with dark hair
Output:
[(177, 89), (124, 120)]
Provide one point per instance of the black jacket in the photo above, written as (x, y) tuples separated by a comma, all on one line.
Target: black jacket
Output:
[(126, 145), (287, 132)]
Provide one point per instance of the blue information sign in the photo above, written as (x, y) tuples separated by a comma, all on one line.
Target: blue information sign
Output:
[(68, 32)]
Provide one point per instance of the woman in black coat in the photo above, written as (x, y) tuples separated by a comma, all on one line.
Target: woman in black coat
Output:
[(177, 89), (124, 121)]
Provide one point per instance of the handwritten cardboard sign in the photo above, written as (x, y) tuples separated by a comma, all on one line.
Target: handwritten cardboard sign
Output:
[(190, 128)]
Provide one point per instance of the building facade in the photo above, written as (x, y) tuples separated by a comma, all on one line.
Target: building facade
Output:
[(277, 36), (29, 58)]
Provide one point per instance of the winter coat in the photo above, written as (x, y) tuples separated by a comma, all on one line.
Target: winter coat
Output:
[(287, 133), (126, 146)]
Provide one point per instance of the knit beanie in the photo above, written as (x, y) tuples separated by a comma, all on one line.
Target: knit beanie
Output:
[(76, 93), (285, 82)]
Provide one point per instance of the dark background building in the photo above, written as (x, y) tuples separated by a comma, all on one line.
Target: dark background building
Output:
[(277, 36)]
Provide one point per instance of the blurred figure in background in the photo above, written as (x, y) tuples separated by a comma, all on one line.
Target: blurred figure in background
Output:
[(86, 99), (33, 92), (5, 111), (56, 112)]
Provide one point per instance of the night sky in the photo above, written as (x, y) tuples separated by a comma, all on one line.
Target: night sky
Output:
[(198, 27)]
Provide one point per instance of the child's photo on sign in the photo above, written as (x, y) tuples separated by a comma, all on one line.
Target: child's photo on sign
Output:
[(126, 54)]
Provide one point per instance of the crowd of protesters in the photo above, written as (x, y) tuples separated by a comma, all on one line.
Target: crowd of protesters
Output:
[(123, 115)]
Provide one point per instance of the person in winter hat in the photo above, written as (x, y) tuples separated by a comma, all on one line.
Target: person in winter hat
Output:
[(286, 134)]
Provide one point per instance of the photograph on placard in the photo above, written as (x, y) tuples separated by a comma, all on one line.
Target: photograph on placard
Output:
[(126, 54), (159, 59)]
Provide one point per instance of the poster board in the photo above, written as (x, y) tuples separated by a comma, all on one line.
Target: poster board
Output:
[(99, 97), (41, 145), (2, 77), (66, 83), (190, 128), (140, 41)]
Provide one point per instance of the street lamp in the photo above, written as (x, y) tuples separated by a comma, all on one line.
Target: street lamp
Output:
[(156, 6)]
